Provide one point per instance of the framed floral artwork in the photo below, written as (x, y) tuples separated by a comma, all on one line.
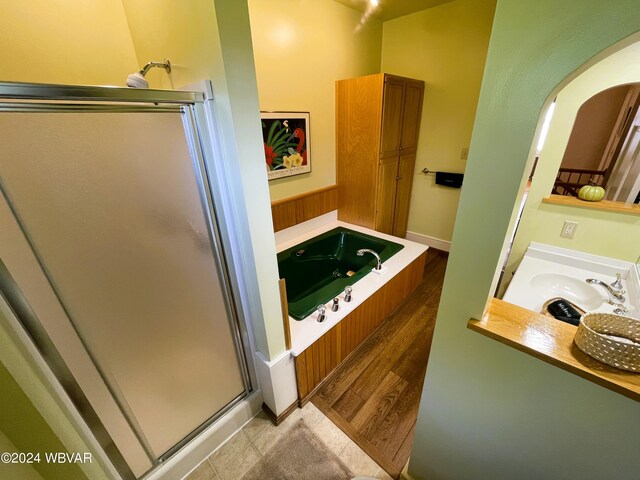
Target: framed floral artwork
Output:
[(286, 143)]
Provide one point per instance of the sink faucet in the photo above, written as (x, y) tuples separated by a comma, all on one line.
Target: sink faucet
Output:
[(617, 285), (362, 251), (617, 294)]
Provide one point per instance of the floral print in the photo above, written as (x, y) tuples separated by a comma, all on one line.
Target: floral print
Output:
[(293, 160)]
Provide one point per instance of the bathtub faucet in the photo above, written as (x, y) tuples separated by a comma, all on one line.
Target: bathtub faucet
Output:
[(362, 251)]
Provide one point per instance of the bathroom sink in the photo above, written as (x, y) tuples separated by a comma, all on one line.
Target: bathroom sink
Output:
[(551, 285)]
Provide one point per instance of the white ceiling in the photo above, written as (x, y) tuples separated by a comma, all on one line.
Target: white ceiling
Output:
[(389, 9)]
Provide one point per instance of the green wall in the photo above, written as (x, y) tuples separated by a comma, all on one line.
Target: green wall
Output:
[(33, 418), (489, 411), (542, 222), (23, 425), (15, 471)]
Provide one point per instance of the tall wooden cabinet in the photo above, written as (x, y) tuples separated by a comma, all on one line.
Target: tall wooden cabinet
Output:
[(377, 125)]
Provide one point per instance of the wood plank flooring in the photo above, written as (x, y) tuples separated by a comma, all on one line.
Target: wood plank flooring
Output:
[(373, 397)]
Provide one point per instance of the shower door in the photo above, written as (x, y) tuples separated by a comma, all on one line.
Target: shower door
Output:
[(112, 206)]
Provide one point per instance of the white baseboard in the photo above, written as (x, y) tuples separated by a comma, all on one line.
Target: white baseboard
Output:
[(277, 379), (444, 245)]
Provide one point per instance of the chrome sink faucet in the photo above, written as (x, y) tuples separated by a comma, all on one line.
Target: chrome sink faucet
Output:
[(617, 294), (362, 251)]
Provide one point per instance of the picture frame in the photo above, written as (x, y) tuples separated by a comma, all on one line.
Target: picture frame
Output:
[(286, 142)]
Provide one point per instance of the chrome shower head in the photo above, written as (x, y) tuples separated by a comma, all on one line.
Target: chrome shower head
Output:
[(137, 80)]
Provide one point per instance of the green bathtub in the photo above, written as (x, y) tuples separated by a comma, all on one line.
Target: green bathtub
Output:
[(318, 270)]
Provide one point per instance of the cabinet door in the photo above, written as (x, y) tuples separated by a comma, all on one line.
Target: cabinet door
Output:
[(386, 195), (411, 114), (403, 194), (391, 116)]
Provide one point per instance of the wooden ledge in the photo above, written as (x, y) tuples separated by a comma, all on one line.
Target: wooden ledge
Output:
[(551, 340), (603, 205)]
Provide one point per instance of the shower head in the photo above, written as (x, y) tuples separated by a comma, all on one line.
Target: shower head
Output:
[(137, 80)]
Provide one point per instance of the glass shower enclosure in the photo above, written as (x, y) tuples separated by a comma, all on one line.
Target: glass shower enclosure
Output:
[(112, 257)]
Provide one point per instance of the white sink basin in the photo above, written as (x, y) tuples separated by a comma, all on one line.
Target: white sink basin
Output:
[(546, 272), (551, 285)]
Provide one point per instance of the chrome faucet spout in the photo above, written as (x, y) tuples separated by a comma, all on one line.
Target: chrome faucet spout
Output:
[(362, 251), (617, 294)]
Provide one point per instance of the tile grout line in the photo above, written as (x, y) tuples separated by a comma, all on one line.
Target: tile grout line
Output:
[(215, 470)]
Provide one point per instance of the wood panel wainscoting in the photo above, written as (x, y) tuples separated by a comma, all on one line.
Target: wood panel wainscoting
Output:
[(315, 364), (290, 211)]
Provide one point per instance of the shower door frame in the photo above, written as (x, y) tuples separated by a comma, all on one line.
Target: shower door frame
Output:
[(198, 118)]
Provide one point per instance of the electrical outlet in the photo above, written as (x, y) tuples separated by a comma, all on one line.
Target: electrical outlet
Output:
[(464, 154), (569, 229)]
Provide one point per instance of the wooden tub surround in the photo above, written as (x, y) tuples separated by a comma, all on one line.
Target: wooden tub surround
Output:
[(551, 340), (374, 395), (315, 364)]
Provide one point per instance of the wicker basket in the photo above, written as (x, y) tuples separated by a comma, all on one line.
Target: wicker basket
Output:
[(611, 339)]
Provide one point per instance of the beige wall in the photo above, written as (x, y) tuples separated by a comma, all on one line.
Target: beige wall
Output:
[(446, 47), (298, 58), (186, 36), (592, 129), (201, 47), (601, 233), (301, 48), (65, 41)]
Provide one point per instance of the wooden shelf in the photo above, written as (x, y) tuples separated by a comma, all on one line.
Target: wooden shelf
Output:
[(551, 340), (603, 205)]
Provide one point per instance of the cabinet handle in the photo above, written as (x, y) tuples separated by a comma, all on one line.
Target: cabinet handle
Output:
[(401, 148), (398, 178)]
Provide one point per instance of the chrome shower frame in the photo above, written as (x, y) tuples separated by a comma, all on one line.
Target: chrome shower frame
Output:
[(197, 114)]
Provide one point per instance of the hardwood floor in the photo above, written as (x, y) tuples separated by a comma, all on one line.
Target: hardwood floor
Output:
[(373, 397)]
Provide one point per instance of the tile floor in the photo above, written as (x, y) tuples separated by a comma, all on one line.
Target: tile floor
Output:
[(241, 452)]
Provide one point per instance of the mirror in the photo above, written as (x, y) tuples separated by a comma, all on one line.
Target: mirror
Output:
[(604, 146)]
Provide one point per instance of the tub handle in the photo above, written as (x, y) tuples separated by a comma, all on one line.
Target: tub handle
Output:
[(321, 313), (347, 293)]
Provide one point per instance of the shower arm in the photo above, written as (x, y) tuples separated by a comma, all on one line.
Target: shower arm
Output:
[(166, 65)]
